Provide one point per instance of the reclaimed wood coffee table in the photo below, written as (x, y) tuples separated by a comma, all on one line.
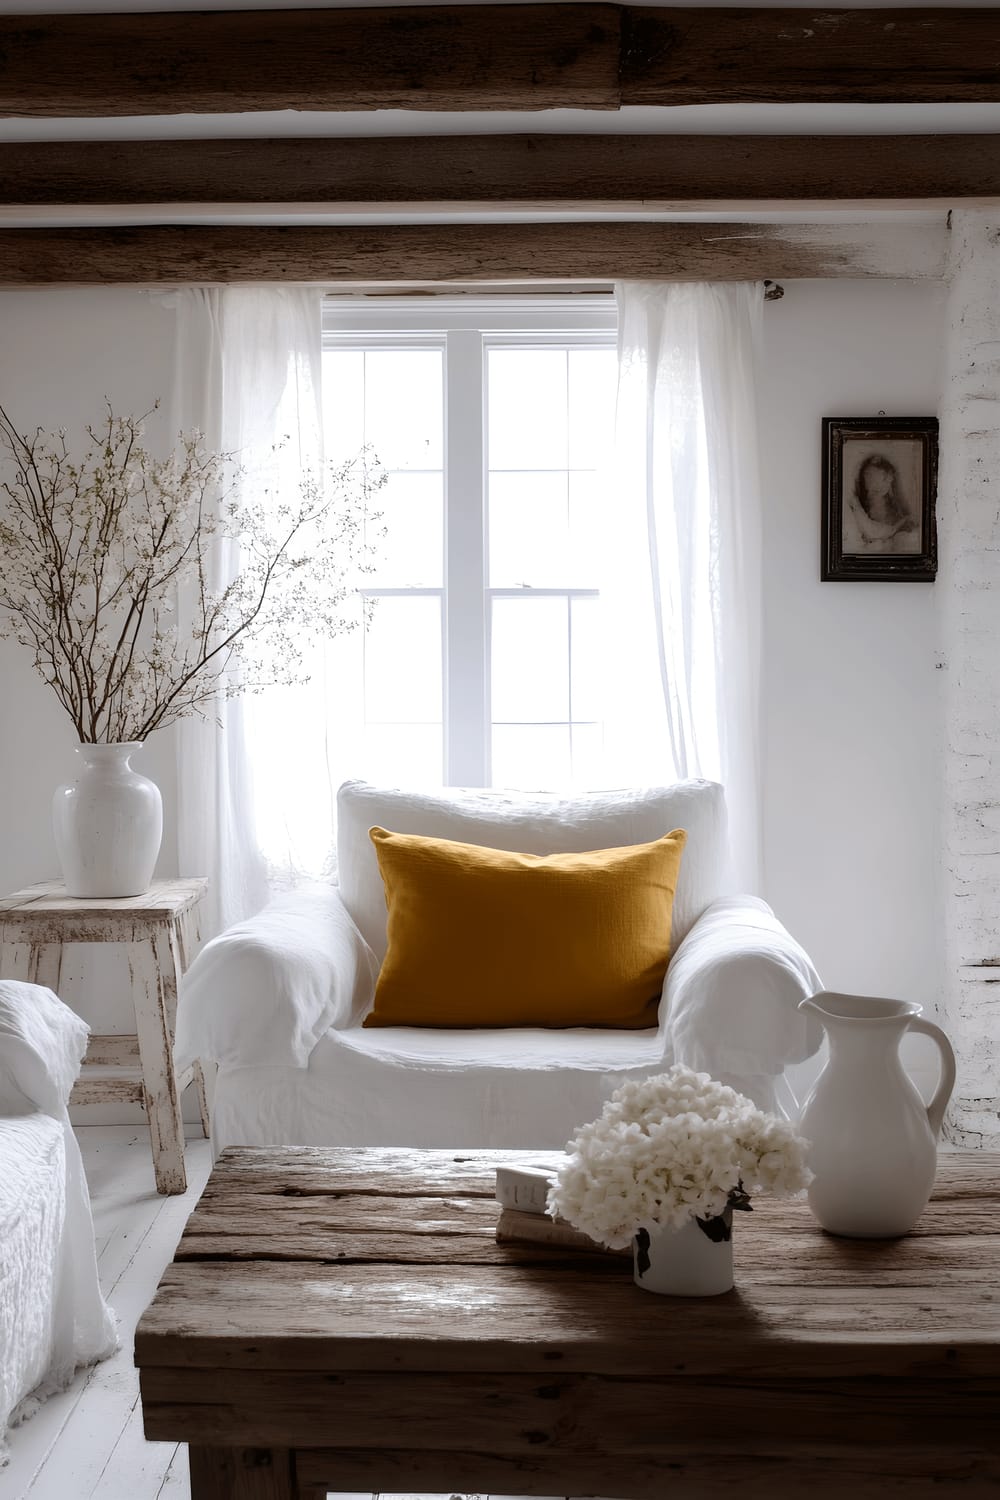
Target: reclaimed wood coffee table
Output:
[(344, 1320)]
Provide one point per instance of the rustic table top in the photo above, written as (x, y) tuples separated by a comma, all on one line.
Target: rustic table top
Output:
[(349, 1319), (367, 1259)]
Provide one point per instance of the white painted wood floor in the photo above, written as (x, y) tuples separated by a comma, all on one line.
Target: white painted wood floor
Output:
[(87, 1443)]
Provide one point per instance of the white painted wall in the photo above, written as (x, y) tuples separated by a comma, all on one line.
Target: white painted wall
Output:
[(969, 603), (850, 690), (62, 351), (851, 694)]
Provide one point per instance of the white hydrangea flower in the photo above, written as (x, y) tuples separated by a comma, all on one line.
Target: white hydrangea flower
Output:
[(669, 1148)]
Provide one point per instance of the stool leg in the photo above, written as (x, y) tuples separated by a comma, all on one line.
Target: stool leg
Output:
[(189, 941), (189, 938), (15, 961), (198, 1079), (154, 965), (46, 965)]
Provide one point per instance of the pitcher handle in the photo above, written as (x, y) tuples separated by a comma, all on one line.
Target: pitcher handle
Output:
[(937, 1106)]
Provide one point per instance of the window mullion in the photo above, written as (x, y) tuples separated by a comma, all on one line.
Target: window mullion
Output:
[(465, 563)]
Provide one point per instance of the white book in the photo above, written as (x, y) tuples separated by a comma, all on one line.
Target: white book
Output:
[(525, 1185)]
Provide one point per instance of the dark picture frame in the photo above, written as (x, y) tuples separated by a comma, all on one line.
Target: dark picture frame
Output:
[(879, 496)]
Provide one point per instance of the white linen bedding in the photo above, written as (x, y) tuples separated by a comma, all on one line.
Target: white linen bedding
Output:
[(53, 1318), (32, 1214)]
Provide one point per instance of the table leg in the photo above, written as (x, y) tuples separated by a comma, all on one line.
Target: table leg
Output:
[(15, 961), (198, 1079), (153, 965), (46, 965), (241, 1473), (188, 937)]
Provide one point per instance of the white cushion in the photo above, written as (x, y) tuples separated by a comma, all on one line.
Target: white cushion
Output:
[(533, 823)]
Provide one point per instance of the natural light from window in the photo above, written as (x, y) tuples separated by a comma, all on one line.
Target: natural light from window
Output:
[(494, 421)]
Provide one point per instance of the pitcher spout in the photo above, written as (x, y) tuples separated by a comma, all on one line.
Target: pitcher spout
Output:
[(870, 1010)]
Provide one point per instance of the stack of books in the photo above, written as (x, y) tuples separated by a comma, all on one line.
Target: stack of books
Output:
[(522, 1190)]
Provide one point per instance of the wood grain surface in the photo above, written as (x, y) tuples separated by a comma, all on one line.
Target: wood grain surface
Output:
[(495, 57), (392, 57), (497, 252), (328, 1301), (564, 172), (36, 904)]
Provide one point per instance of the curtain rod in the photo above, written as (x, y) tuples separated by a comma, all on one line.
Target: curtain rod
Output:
[(773, 290)]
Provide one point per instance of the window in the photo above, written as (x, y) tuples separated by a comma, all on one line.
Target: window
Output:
[(494, 419)]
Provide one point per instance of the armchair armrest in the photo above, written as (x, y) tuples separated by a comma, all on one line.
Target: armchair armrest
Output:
[(263, 992), (732, 992)]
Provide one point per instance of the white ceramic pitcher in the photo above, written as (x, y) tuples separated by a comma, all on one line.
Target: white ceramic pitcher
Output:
[(873, 1140)]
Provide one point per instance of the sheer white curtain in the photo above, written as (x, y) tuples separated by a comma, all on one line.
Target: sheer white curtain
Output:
[(248, 376), (682, 588)]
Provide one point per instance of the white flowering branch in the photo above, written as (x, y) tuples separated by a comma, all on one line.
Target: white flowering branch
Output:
[(102, 555), (670, 1148)]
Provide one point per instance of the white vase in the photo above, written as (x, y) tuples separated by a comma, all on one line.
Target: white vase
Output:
[(684, 1262), (108, 824), (873, 1141)]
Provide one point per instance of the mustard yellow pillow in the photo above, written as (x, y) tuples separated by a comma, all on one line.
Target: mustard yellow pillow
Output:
[(483, 937)]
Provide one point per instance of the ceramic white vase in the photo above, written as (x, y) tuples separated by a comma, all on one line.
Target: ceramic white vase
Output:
[(873, 1140), (108, 824), (684, 1262)]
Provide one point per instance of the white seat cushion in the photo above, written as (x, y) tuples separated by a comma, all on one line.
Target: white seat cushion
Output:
[(404, 1086), (533, 823)]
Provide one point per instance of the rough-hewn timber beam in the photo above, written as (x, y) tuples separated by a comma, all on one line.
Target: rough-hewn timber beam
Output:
[(424, 57), (489, 57), (555, 171), (466, 252)]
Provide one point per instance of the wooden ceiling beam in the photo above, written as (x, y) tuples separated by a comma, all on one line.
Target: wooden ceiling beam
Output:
[(393, 57), (490, 57), (523, 171), (408, 254)]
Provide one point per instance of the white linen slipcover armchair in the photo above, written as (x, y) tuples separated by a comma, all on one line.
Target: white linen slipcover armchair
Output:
[(53, 1318), (278, 1001)]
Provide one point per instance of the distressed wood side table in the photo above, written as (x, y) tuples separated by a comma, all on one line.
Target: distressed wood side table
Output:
[(160, 933)]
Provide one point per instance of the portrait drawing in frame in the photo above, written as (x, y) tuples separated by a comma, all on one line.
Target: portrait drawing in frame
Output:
[(879, 491)]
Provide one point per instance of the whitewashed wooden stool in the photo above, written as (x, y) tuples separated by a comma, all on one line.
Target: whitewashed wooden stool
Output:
[(160, 934)]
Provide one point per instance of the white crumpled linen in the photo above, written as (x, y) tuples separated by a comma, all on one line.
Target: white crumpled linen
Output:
[(53, 1318), (533, 823), (522, 1088), (733, 990), (262, 1002), (266, 990)]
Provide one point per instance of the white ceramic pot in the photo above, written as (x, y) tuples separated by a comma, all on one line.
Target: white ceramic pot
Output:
[(684, 1262), (873, 1141), (108, 824)]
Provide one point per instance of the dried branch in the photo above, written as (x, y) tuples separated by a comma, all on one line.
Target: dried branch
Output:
[(104, 553)]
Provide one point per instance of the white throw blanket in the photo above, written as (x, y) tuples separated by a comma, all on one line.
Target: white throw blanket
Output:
[(53, 1318)]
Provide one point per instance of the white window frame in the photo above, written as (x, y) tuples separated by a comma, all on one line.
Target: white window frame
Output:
[(466, 328)]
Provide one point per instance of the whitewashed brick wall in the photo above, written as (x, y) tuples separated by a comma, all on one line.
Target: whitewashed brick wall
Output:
[(968, 593)]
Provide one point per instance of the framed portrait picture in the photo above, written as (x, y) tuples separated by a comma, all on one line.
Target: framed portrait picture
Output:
[(879, 489)]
